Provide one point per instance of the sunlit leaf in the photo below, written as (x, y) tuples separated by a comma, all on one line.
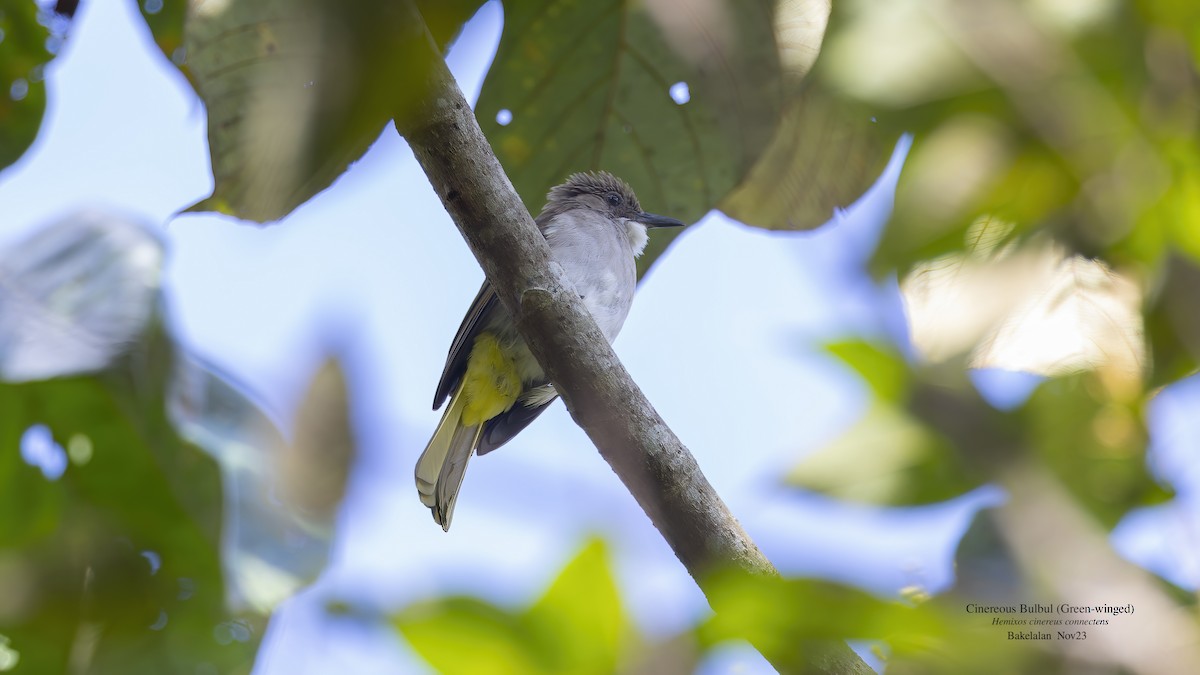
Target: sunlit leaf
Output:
[(1029, 308), (896, 54), (883, 368), (579, 621), (464, 636), (577, 626)]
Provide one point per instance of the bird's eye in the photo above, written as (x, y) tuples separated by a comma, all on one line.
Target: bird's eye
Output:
[(613, 198)]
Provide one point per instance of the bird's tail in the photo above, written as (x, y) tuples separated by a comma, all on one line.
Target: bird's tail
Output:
[(441, 468)]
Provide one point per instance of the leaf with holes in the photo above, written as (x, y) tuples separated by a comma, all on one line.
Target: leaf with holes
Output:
[(678, 98)]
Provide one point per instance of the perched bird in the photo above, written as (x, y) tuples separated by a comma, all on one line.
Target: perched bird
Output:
[(595, 228)]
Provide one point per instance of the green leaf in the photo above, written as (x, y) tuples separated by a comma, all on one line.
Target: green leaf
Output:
[(827, 151), (122, 554), (882, 367), (1094, 443), (1172, 324), (595, 85), (577, 626), (296, 90), (888, 458), (465, 636), (315, 468), (166, 23), (825, 155), (127, 544), (579, 621), (783, 618), (23, 56), (445, 18)]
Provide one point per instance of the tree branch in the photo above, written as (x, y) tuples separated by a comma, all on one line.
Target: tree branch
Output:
[(602, 398)]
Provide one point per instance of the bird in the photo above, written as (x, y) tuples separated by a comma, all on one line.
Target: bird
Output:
[(595, 228)]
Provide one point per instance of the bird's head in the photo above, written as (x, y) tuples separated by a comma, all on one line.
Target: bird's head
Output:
[(601, 191)]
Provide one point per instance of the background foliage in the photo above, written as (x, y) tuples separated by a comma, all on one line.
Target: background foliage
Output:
[(1046, 221)]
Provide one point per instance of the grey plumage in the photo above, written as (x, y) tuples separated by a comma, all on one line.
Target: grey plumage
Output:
[(594, 226)]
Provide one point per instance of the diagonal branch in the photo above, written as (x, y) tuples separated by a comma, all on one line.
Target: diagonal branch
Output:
[(650, 460)]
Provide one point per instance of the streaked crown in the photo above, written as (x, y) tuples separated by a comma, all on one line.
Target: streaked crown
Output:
[(600, 184)]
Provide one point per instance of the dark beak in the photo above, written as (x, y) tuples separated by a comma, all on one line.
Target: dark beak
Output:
[(651, 221)]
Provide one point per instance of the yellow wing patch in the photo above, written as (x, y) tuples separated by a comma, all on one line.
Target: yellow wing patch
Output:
[(491, 384)]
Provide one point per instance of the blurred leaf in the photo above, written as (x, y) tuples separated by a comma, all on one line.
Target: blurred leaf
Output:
[(577, 626), (579, 622), (1027, 308), (782, 617), (316, 467), (118, 563), (445, 18), (296, 90), (897, 55), (882, 367), (948, 174), (885, 458), (825, 154), (75, 295), (1066, 118), (680, 107), (1094, 444), (468, 636), (1171, 221), (274, 547), (985, 570), (126, 545), (166, 21), (1172, 324), (27, 46)]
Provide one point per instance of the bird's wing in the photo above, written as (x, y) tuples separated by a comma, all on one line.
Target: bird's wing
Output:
[(456, 362), (485, 303), (501, 428)]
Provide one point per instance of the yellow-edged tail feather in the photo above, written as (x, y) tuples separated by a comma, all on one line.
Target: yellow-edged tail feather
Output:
[(489, 387)]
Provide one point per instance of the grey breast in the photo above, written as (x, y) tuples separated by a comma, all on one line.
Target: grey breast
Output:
[(596, 255)]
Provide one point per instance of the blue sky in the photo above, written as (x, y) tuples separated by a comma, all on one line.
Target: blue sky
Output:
[(724, 338)]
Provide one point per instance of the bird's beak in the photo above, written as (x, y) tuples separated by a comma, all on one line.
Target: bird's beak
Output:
[(651, 221)]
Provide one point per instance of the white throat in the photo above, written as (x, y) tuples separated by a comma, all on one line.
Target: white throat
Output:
[(636, 232)]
